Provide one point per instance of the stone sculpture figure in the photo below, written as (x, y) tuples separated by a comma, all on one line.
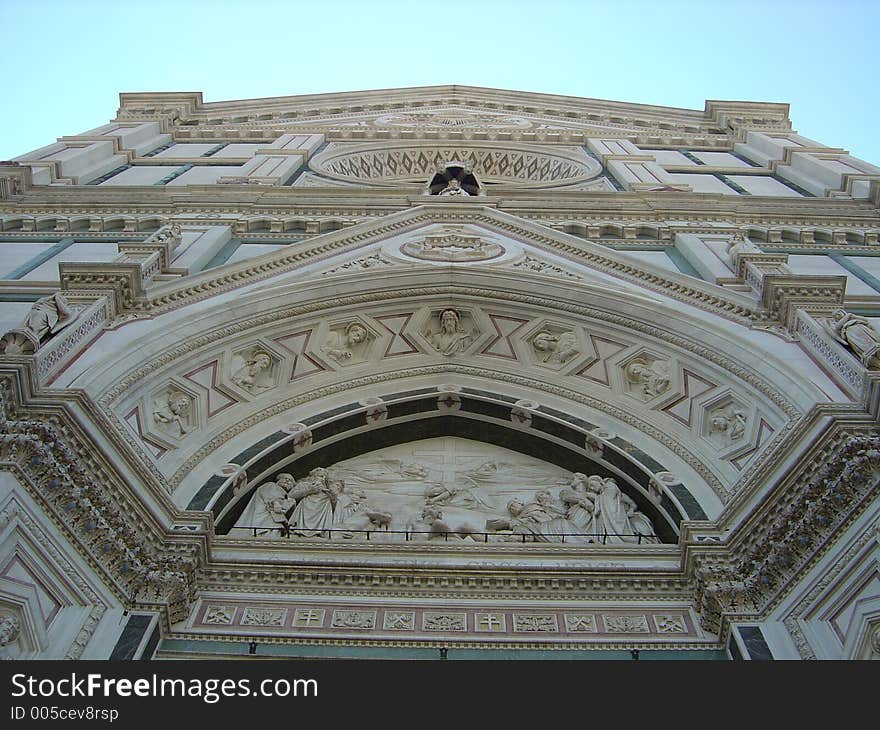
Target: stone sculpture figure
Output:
[(316, 498), (732, 423), (555, 348), (174, 411), (857, 334), (268, 508), (249, 375), (453, 187), (451, 338), (616, 517), (340, 345), (638, 523), (10, 628), (541, 520), (48, 316), (652, 378), (579, 503)]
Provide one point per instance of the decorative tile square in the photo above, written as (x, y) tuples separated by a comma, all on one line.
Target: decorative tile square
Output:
[(263, 616), (353, 619), (489, 621), (436, 621), (580, 622), (219, 615), (670, 623), (308, 617), (399, 620), (626, 624), (535, 622)]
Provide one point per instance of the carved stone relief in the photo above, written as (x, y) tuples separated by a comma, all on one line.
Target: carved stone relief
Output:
[(46, 318), (857, 335), (726, 423), (453, 244), (554, 346), (172, 412), (254, 370), (347, 343), (646, 377), (450, 331), (445, 489)]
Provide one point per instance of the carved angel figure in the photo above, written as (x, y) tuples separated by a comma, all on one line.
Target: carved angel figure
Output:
[(48, 316), (451, 338), (857, 334)]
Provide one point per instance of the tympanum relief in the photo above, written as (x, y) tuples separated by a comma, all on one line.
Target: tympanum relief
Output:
[(446, 489)]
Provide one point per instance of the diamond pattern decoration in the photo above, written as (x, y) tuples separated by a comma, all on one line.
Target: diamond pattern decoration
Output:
[(303, 364)]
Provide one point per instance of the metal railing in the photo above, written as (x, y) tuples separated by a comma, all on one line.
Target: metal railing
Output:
[(598, 538)]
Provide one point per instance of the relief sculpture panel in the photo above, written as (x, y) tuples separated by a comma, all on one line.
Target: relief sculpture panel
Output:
[(445, 489)]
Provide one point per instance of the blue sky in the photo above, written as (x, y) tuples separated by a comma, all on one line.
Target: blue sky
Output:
[(65, 62)]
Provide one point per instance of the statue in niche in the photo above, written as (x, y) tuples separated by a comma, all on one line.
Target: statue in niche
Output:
[(613, 514), (555, 348), (341, 345), (10, 630), (174, 411), (857, 334), (451, 338), (48, 316), (252, 374), (732, 423), (453, 188), (268, 508), (652, 379)]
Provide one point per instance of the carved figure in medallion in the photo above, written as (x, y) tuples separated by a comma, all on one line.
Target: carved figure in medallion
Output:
[(857, 334), (10, 628), (340, 345), (651, 377), (733, 423), (175, 411), (555, 348), (250, 375), (451, 338)]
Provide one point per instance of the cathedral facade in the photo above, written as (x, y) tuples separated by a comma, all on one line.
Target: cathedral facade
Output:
[(448, 370)]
